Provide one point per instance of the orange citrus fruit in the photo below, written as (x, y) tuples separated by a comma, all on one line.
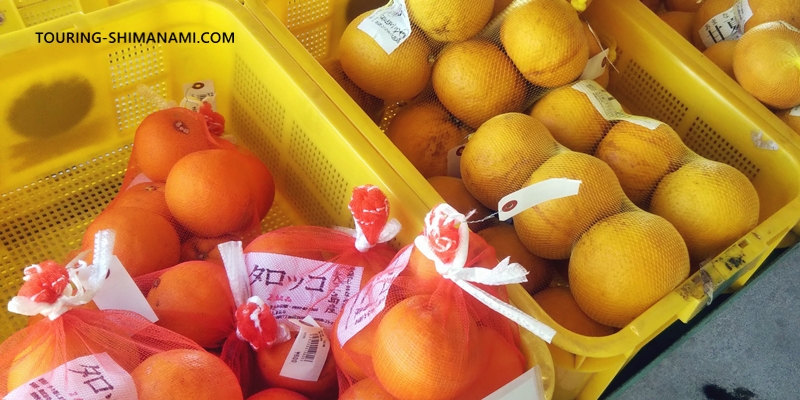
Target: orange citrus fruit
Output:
[(185, 374), (209, 195)]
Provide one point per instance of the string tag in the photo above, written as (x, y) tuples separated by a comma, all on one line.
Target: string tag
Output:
[(445, 241)]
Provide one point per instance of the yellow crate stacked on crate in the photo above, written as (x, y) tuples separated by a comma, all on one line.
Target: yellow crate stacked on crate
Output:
[(18, 14), (660, 76), (69, 113)]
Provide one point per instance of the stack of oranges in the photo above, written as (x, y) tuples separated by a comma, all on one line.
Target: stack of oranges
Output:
[(185, 192), (197, 191)]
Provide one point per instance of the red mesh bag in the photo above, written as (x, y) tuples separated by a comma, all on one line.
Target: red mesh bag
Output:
[(296, 273), (365, 246), (277, 342), (193, 299), (77, 351), (436, 324), (186, 189)]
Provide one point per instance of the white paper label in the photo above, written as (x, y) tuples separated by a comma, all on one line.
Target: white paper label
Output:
[(388, 25), (609, 107), (761, 142), (744, 13), (527, 197), (454, 161), (295, 287), (92, 377), (119, 292), (308, 353), (721, 27), (595, 67), (141, 178), (371, 299), (527, 386), (194, 94), (795, 111)]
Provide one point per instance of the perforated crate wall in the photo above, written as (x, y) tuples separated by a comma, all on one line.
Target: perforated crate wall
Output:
[(310, 22), (37, 13), (46, 219), (655, 101)]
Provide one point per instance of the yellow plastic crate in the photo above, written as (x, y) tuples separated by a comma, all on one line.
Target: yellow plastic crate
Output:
[(18, 14), (661, 76), (69, 113)]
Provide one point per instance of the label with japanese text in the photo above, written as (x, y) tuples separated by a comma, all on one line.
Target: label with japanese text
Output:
[(295, 287), (744, 13), (609, 107), (92, 377), (721, 27), (309, 352), (371, 299), (389, 25)]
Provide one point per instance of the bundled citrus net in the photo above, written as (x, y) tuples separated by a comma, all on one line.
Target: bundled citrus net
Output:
[(755, 42), (711, 204), (185, 190), (443, 68), (435, 324), (776, 46), (622, 259), (93, 353), (282, 277)]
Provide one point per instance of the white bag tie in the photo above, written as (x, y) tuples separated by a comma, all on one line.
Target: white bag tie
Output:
[(84, 281), (504, 273)]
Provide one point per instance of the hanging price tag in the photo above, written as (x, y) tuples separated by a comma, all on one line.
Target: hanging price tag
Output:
[(308, 353), (538, 193), (119, 292), (595, 67), (454, 161)]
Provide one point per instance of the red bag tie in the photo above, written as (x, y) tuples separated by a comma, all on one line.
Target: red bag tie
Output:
[(370, 210), (214, 120), (44, 282), (255, 324)]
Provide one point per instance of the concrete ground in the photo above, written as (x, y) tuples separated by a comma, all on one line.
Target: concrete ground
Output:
[(747, 348)]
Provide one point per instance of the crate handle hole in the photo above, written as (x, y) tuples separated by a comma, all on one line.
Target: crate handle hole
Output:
[(743, 244)]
